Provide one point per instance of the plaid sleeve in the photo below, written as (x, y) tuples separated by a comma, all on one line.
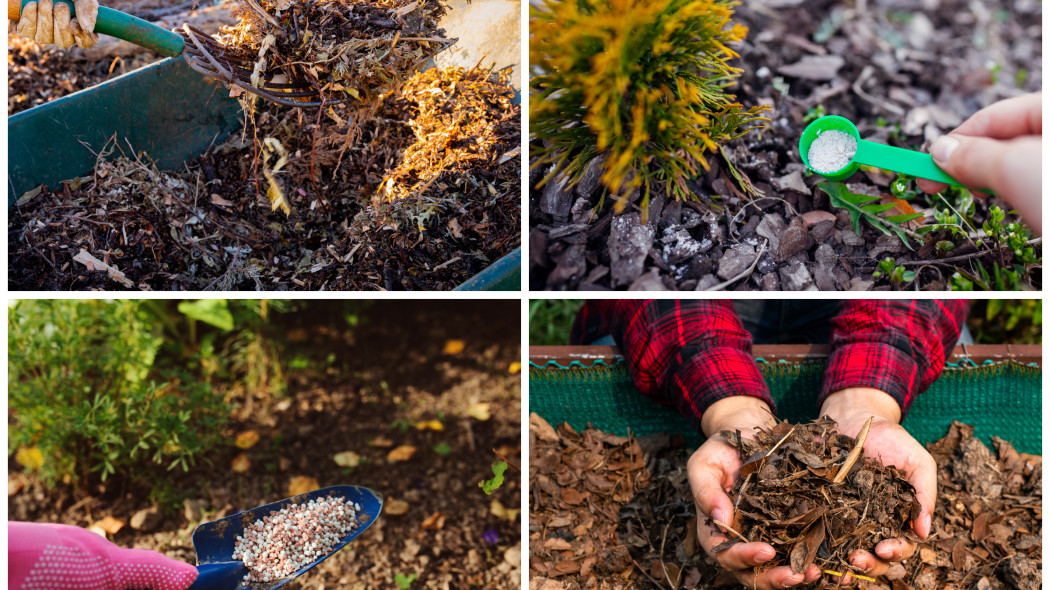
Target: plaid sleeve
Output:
[(686, 354), (893, 345)]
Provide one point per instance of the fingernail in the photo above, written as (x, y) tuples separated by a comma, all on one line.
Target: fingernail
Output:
[(927, 524), (792, 580), (860, 562), (888, 552), (764, 555), (718, 515), (942, 148)]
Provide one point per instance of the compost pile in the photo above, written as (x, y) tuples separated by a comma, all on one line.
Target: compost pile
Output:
[(632, 524), (787, 496), (37, 74), (342, 48), (210, 226), (904, 74)]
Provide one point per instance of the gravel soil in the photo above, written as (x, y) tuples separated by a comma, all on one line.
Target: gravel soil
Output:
[(388, 374)]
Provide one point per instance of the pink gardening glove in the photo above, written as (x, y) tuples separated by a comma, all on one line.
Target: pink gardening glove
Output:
[(63, 557)]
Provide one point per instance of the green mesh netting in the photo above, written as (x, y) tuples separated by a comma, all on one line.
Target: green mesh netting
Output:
[(1001, 399)]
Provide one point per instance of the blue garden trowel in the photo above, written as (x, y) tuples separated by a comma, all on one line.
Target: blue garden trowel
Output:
[(213, 541)]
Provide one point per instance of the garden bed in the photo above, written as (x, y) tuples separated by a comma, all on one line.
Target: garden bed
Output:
[(903, 75), (366, 390)]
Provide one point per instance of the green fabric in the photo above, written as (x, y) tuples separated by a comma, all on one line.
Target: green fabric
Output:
[(1002, 399)]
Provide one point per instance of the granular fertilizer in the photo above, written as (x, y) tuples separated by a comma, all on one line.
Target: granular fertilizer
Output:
[(831, 151), (280, 544)]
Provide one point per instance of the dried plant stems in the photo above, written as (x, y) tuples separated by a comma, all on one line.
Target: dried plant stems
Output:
[(854, 454)]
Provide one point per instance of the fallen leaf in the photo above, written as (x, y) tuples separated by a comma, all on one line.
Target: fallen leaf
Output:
[(381, 442), (217, 200), (111, 525), (928, 556), (301, 484), (557, 544), (431, 424), (480, 411), (395, 507), (246, 439), (241, 463), (435, 522), (347, 459), (454, 346), (499, 511), (514, 368), (29, 195), (30, 458), (15, 483), (402, 453)]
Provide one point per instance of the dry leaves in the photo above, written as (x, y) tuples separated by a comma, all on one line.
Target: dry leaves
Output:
[(498, 510), (240, 463), (479, 411), (434, 522), (514, 368), (246, 439), (454, 346), (347, 459), (381, 442), (110, 525), (302, 484), (395, 507), (401, 453), (430, 424)]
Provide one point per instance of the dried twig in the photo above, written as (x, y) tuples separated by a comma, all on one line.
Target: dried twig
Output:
[(858, 447), (730, 529)]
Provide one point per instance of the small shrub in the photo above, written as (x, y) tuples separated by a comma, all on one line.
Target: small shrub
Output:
[(87, 390), (640, 83)]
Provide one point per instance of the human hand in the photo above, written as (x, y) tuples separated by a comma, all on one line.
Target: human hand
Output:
[(887, 440), (63, 557), (48, 22), (713, 468), (999, 148)]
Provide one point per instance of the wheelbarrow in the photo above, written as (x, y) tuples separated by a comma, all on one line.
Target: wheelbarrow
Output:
[(166, 110)]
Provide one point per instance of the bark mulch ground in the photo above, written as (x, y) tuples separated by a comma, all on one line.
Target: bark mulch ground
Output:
[(382, 378), (903, 74), (611, 513)]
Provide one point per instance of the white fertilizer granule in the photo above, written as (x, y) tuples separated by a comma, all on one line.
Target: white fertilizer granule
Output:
[(280, 544), (831, 151)]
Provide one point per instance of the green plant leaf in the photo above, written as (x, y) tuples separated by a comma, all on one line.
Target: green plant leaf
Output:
[(491, 485), (855, 204), (404, 582), (214, 312)]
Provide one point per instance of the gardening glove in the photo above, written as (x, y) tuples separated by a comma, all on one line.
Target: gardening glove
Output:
[(712, 469), (47, 23), (63, 557), (889, 442)]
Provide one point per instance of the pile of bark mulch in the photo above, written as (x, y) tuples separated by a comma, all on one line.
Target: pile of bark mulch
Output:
[(362, 216), (806, 491), (614, 513), (902, 73)]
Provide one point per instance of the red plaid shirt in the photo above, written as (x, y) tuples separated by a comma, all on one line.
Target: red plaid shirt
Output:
[(690, 354)]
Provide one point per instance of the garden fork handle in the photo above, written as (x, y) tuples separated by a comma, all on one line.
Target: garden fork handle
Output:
[(120, 25)]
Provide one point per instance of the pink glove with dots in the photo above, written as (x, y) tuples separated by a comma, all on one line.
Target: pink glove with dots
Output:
[(63, 557)]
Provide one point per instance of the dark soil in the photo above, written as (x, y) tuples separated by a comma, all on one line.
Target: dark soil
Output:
[(388, 374), (615, 513), (905, 75), (424, 195)]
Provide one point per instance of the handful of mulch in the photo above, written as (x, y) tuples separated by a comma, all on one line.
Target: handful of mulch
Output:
[(356, 49), (806, 490)]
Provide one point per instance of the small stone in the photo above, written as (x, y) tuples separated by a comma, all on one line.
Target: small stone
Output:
[(770, 282), (191, 509), (557, 198), (849, 238), (824, 280), (814, 67), (811, 218), (650, 281), (794, 240), (146, 519), (707, 282), (886, 245), (825, 256), (793, 182), (796, 277), (822, 230), (861, 284), (629, 245), (770, 228), (735, 261), (592, 177), (513, 556)]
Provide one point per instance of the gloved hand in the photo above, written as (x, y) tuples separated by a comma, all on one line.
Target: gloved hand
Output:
[(63, 557), (47, 24)]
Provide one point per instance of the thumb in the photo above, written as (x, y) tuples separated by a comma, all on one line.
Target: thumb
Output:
[(1010, 168), (706, 483), (924, 478), (142, 568)]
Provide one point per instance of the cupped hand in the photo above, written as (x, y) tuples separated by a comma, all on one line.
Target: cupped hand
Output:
[(999, 149), (888, 441), (713, 469)]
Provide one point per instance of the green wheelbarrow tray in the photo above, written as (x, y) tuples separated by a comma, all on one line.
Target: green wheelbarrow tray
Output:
[(166, 110)]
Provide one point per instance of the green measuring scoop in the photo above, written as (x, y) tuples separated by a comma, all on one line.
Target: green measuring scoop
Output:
[(870, 153), (120, 25)]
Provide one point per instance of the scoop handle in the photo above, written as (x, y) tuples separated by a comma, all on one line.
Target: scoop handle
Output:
[(901, 160), (219, 576), (120, 25)]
